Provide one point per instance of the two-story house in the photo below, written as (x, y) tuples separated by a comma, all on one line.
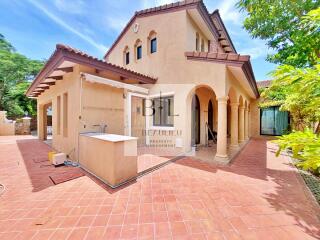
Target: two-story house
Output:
[(173, 76)]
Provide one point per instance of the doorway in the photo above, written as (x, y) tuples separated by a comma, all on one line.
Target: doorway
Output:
[(45, 130), (138, 120), (210, 119), (195, 121), (273, 121)]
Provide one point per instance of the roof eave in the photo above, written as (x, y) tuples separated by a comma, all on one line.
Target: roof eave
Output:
[(55, 60), (224, 28), (244, 64), (60, 55)]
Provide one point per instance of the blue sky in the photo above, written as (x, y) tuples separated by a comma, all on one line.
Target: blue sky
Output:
[(34, 27)]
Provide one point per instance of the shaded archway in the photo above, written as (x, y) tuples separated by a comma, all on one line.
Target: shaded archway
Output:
[(195, 120), (241, 119), (204, 93), (210, 119)]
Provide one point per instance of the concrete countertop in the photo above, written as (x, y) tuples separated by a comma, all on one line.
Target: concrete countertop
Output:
[(108, 137)]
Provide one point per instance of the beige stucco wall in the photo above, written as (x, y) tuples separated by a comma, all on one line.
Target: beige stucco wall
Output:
[(99, 104), (70, 85), (6, 127), (175, 74), (254, 119), (112, 162)]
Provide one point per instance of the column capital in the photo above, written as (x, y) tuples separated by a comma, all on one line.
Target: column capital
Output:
[(223, 99), (241, 107), (234, 104)]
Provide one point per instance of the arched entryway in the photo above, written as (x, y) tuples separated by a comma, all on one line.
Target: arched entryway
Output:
[(210, 119), (195, 120)]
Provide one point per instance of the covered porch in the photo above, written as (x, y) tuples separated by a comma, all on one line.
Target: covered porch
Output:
[(219, 109), (219, 126)]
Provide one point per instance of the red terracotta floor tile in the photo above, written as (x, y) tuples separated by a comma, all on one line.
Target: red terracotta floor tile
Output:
[(112, 232), (43, 234), (26, 235), (95, 233), (146, 231), (85, 221), (129, 232), (100, 221), (78, 233), (116, 219), (163, 229), (257, 196), (178, 229), (160, 217), (60, 234)]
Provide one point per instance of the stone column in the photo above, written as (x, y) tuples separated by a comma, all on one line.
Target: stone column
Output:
[(246, 124), (234, 124), (40, 121), (249, 124), (222, 128), (26, 121), (241, 124)]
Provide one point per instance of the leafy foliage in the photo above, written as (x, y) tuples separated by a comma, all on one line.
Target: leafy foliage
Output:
[(305, 147), (16, 71), (293, 34), (298, 91)]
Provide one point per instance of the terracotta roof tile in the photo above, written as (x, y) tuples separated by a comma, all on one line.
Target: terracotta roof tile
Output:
[(264, 84), (222, 56), (242, 61), (166, 6), (232, 56), (219, 56), (64, 52), (203, 54), (77, 51), (212, 55)]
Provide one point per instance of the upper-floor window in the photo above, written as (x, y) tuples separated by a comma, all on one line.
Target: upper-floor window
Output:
[(202, 45), (152, 42), (138, 49), (163, 111), (127, 58), (197, 41), (139, 52), (153, 45), (126, 55)]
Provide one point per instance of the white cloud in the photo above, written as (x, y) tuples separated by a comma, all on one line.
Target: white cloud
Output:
[(229, 12), (257, 48), (163, 2), (116, 23), (68, 27), (155, 3), (70, 6), (254, 52)]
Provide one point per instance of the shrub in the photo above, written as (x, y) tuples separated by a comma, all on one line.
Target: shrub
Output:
[(305, 147)]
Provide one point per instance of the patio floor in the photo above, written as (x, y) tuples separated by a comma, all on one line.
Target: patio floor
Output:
[(257, 197)]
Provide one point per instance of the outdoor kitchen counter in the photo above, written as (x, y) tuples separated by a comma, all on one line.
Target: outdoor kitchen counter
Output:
[(110, 157)]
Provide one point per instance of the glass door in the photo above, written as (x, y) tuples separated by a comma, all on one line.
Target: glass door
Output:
[(273, 121)]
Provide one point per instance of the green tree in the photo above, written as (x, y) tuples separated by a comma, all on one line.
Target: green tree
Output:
[(297, 90), (283, 24), (292, 29), (16, 73)]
